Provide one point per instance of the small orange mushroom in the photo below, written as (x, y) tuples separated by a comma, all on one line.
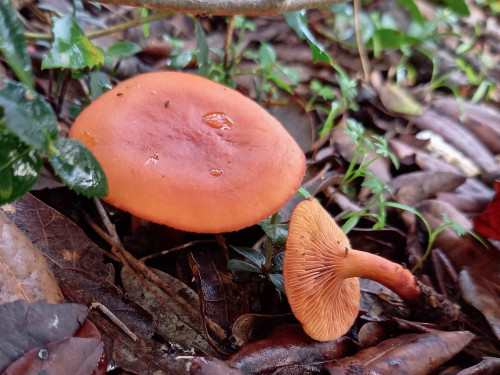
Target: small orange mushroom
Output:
[(321, 271), (183, 151)]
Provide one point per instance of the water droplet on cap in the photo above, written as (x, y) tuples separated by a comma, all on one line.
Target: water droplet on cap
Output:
[(216, 172), (217, 120)]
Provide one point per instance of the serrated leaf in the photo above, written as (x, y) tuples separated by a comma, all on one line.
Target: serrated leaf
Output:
[(298, 23), (251, 254), (28, 115), (240, 265), (124, 48), (277, 280), (71, 48), (201, 48), (13, 44), (20, 166), (78, 168), (276, 232)]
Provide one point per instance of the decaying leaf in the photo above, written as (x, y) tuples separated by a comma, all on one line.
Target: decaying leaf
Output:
[(411, 354), (24, 273), (488, 222)]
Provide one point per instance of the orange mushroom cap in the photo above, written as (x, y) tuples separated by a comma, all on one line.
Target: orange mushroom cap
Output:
[(181, 150), (320, 273)]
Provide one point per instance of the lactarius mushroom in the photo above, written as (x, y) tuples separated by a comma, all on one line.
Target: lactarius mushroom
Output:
[(321, 273), (183, 151)]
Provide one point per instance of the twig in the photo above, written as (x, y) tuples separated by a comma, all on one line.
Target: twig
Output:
[(109, 30), (359, 41), (99, 306), (227, 40), (180, 247)]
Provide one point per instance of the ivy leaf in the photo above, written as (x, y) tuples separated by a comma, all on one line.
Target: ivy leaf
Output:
[(20, 166), (71, 48), (13, 44), (252, 255), (298, 23), (28, 115), (240, 265), (276, 232), (123, 48), (78, 168)]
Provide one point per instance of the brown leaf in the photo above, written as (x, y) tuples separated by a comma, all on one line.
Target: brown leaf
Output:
[(25, 326), (460, 137), (482, 291), (488, 366), (288, 346), (24, 273), (172, 321), (411, 354), (60, 239), (211, 366), (74, 355)]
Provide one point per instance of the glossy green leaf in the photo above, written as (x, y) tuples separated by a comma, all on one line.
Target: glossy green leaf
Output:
[(298, 23), (78, 168), (277, 280), (13, 44), (383, 39), (201, 48), (267, 56), (240, 265), (28, 115), (414, 10), (277, 262), (180, 59), (124, 48), (20, 166), (251, 254), (71, 48), (276, 232)]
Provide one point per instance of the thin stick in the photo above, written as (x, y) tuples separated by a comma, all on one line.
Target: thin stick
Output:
[(180, 247), (99, 306), (365, 62), (109, 30), (227, 40)]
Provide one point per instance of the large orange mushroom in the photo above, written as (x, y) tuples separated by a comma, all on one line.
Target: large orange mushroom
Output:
[(321, 271), (181, 150)]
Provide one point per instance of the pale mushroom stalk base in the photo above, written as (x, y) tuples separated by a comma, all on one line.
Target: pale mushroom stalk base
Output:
[(373, 267)]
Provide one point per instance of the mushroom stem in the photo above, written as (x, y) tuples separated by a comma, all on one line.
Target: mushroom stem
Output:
[(390, 274)]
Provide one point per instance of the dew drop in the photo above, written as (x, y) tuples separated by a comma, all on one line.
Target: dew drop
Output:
[(87, 139), (217, 120), (216, 172), (153, 92)]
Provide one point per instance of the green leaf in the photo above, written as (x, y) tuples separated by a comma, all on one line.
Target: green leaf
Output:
[(383, 39), (252, 255), (78, 168), (303, 192), (276, 232), (273, 76), (124, 49), (460, 7), (349, 224), (20, 166), (13, 44), (71, 48), (240, 265), (414, 10), (277, 280), (176, 43), (180, 59), (99, 83), (28, 115), (267, 56), (202, 57), (298, 23)]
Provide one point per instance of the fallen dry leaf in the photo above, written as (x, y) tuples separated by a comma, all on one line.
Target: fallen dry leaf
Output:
[(26, 326), (410, 354), (487, 223), (24, 273)]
